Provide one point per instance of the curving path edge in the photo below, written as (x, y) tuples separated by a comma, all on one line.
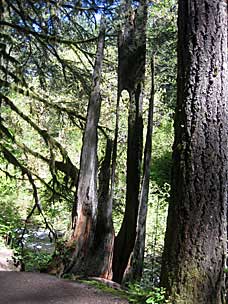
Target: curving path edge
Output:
[(36, 288)]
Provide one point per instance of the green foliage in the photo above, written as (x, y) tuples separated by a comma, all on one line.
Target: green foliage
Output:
[(158, 199), (162, 36), (36, 261), (157, 296), (32, 260), (162, 153), (134, 293), (102, 286), (142, 296), (10, 218)]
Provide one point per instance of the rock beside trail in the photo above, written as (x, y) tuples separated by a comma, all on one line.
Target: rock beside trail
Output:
[(6, 260)]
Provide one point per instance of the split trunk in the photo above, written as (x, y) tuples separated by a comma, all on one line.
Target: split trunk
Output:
[(132, 50)]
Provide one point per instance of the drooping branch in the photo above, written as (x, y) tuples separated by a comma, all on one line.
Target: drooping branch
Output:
[(25, 171), (66, 167), (59, 166), (17, 79), (49, 104), (47, 38), (48, 139)]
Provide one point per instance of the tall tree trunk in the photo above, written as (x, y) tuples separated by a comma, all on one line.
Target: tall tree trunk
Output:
[(102, 253), (84, 215), (124, 242), (132, 49), (195, 244), (135, 269), (100, 258)]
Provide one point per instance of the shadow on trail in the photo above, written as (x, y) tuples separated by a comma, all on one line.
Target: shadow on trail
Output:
[(36, 288)]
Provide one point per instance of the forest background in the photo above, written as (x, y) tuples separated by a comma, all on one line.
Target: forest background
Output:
[(47, 62)]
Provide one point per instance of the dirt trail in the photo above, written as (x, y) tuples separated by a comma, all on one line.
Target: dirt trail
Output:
[(37, 288)]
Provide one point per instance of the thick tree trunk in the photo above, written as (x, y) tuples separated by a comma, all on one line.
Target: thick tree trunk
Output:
[(132, 50), (135, 269), (84, 215), (1, 62), (195, 243)]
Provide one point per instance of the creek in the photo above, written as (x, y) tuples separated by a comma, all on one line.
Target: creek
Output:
[(37, 239)]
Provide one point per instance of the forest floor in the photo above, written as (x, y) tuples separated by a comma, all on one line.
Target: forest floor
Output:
[(35, 288)]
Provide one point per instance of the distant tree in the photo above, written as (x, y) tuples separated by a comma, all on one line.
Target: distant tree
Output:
[(195, 244)]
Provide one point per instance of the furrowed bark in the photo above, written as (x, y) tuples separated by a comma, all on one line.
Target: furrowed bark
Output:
[(84, 215), (195, 244), (102, 252)]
